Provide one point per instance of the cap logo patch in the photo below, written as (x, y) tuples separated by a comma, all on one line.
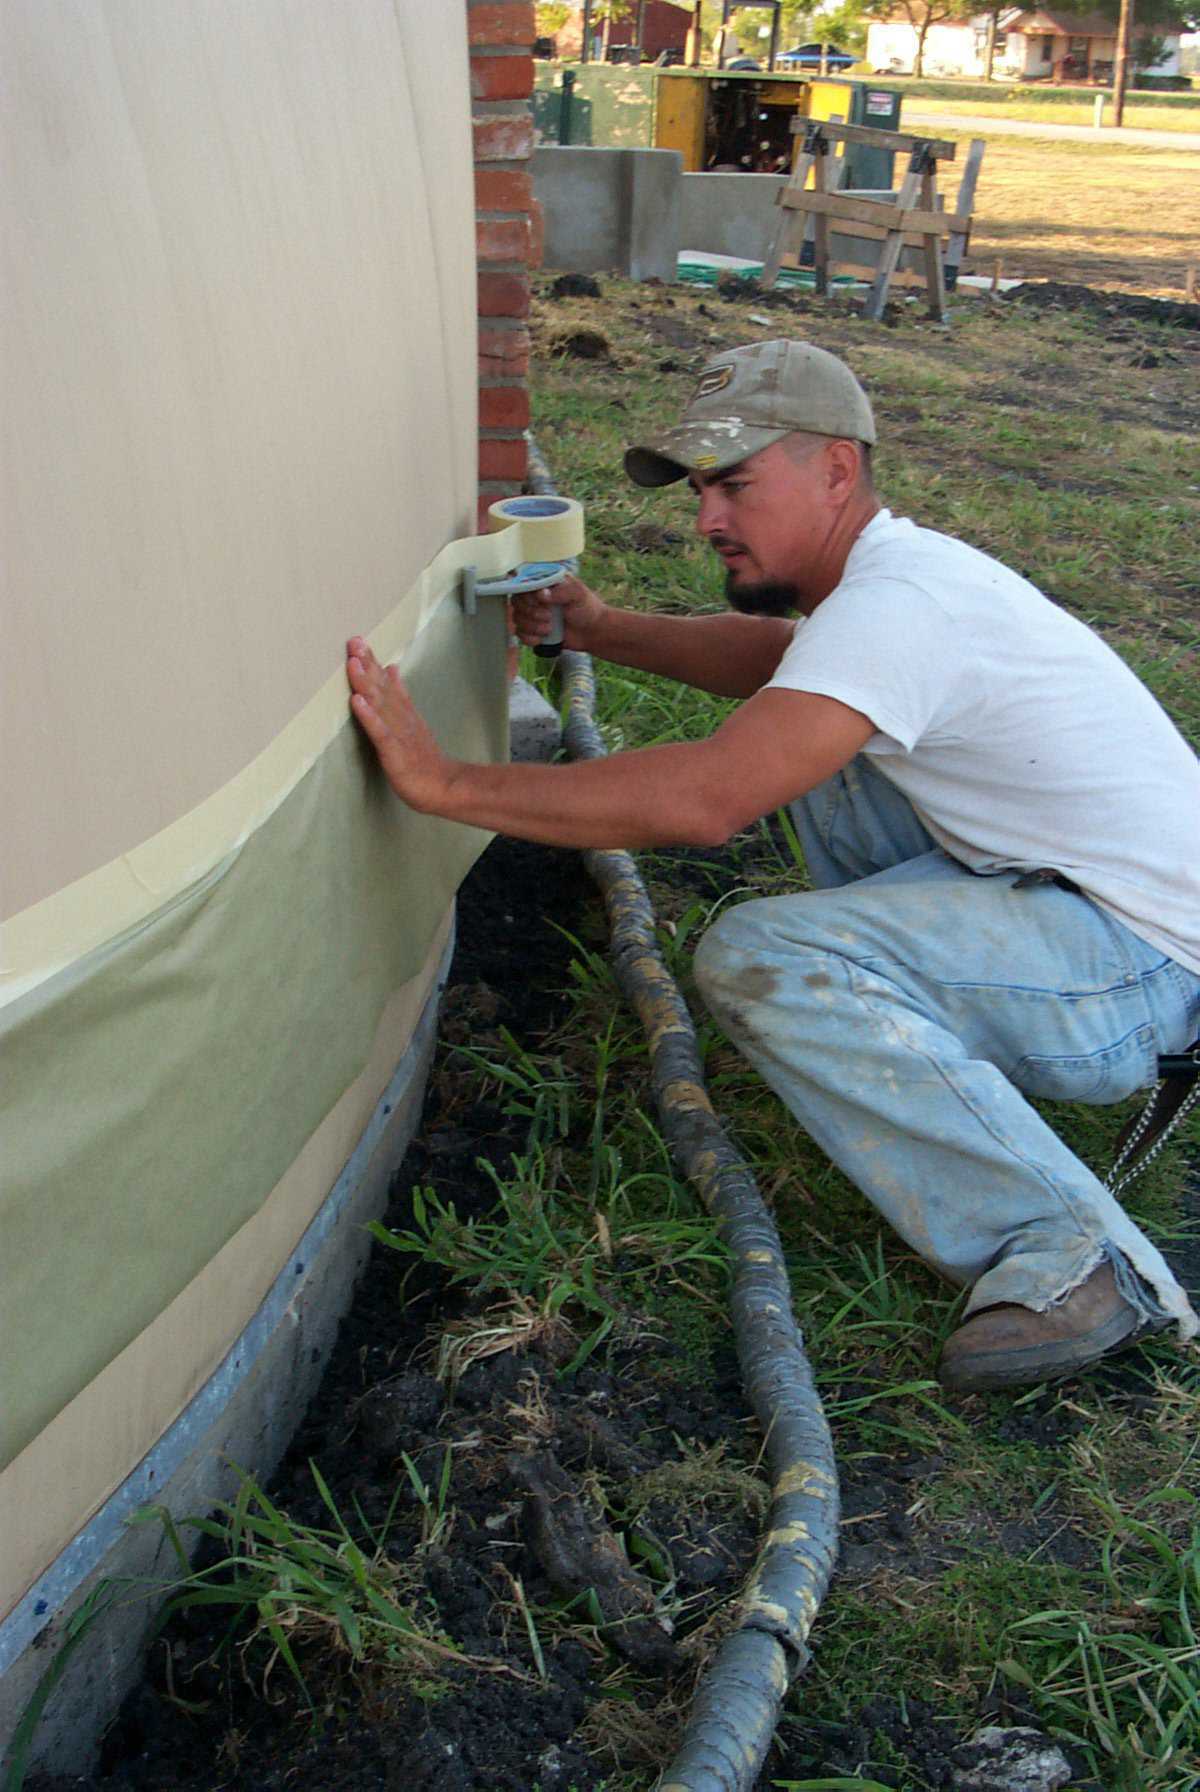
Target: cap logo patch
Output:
[(715, 379), (700, 461)]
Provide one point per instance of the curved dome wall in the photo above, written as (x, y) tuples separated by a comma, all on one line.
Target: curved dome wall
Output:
[(240, 407)]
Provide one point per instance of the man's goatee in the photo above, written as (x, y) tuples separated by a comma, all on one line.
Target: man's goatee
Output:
[(767, 598)]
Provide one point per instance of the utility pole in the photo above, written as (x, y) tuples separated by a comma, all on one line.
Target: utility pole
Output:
[(724, 32), (989, 49), (585, 47), (1121, 70), (774, 49)]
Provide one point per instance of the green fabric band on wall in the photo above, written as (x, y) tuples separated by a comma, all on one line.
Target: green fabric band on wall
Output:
[(157, 1090)]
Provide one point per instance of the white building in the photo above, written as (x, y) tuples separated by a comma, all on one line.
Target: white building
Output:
[(1030, 46)]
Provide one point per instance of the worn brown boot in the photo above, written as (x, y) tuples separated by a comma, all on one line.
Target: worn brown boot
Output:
[(1010, 1346)]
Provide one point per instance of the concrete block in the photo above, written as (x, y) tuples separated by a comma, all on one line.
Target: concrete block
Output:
[(534, 727), (729, 214), (737, 214), (610, 210)]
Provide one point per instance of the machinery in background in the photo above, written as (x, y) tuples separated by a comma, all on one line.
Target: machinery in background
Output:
[(724, 121)]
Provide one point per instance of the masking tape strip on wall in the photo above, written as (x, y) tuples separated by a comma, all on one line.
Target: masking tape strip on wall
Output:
[(158, 1086)]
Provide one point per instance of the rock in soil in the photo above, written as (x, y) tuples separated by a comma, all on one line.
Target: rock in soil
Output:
[(1020, 1760)]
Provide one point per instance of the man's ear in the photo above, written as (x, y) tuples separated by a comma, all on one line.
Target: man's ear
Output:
[(842, 460)]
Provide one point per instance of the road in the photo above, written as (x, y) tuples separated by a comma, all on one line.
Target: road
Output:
[(1079, 133)]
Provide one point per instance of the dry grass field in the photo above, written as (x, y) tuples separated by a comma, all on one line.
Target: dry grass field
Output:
[(1101, 214), (1046, 104)]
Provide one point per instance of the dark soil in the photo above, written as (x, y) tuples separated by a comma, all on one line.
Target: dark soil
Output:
[(574, 286), (582, 345), (1061, 296)]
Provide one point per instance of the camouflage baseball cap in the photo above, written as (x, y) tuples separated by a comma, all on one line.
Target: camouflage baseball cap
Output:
[(748, 398)]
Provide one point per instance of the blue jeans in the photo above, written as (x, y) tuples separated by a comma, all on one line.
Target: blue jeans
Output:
[(905, 1008)]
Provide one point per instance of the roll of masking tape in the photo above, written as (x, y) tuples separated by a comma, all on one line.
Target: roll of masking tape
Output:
[(551, 528)]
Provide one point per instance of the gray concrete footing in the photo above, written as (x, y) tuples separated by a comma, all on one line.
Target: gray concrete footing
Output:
[(610, 210), (729, 214), (534, 725), (631, 212)]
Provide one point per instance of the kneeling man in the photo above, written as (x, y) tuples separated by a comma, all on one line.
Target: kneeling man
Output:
[(1000, 821)]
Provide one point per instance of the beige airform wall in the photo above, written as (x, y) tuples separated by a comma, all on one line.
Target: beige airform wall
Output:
[(240, 424)]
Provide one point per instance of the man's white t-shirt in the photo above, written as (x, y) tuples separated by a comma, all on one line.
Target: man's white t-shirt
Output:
[(1020, 739)]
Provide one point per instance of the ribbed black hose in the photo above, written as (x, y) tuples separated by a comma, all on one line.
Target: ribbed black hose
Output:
[(738, 1702)]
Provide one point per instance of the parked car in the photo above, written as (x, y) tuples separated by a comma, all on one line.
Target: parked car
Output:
[(809, 56), (745, 63)]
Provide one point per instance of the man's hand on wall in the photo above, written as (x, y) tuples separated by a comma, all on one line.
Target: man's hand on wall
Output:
[(413, 763)]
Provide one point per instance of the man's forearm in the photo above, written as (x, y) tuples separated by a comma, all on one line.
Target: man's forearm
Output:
[(772, 748), (730, 655), (656, 796)]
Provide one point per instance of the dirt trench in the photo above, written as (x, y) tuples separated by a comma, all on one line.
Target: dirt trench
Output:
[(525, 1445), (529, 1449)]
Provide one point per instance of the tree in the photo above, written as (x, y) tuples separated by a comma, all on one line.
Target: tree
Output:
[(992, 13), (550, 18), (800, 21), (1163, 15), (844, 25), (608, 13)]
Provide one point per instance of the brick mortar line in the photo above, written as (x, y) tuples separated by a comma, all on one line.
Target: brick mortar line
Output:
[(499, 50)]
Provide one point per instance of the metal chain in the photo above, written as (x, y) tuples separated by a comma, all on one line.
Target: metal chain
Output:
[(1114, 1182)]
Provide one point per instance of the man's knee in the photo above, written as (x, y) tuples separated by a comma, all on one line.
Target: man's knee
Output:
[(751, 952), (722, 957)]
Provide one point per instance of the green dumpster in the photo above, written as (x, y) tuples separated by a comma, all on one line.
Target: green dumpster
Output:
[(859, 102)]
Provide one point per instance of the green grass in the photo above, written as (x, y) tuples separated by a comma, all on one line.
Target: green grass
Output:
[(1049, 1541), (290, 1593), (1098, 1636), (291, 1588)]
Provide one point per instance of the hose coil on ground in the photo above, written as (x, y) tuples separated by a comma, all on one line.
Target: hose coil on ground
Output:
[(738, 1702)]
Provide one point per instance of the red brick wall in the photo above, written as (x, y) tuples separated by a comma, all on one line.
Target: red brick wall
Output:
[(507, 235)]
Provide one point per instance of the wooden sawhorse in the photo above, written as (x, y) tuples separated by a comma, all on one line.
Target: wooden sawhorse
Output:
[(914, 219)]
